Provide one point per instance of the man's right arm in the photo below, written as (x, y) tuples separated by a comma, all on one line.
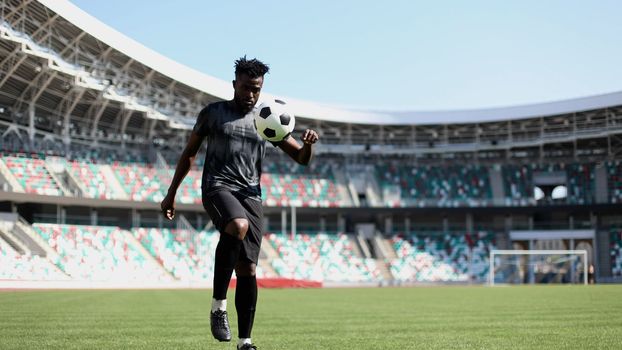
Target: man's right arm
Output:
[(183, 166)]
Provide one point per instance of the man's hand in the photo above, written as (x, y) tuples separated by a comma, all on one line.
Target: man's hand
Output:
[(168, 206), (309, 137)]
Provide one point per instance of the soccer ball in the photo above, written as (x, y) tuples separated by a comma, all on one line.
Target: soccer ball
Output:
[(273, 121)]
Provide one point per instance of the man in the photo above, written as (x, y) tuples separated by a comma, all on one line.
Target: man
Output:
[(231, 192)]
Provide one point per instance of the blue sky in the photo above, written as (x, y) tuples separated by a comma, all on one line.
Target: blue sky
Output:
[(433, 55)]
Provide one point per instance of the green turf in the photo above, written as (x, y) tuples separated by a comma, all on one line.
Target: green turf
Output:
[(540, 317)]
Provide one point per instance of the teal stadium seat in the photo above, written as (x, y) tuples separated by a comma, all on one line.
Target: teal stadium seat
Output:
[(320, 257), (518, 182), (441, 257), (285, 184), (581, 183), (186, 257), (91, 176), (614, 181), (25, 267), (444, 186), (32, 175), (98, 253), (140, 182), (616, 253), (190, 189)]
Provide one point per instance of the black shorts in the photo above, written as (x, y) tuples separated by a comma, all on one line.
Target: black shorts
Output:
[(223, 206)]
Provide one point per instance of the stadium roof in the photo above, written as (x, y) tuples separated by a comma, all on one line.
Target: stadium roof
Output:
[(222, 89), (513, 112)]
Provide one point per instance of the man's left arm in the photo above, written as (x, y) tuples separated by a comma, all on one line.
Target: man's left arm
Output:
[(301, 154)]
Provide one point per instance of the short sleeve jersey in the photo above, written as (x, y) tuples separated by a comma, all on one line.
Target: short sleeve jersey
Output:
[(234, 150)]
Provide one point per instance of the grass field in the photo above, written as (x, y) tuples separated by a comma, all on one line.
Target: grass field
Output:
[(528, 317)]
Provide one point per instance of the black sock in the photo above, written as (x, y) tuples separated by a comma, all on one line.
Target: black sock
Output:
[(227, 252), (245, 303)]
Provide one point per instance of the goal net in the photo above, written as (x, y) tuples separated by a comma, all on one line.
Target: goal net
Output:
[(538, 266)]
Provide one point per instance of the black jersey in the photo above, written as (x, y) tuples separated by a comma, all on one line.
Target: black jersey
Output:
[(234, 150)]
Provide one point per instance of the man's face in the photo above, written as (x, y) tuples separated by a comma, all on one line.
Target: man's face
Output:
[(246, 91)]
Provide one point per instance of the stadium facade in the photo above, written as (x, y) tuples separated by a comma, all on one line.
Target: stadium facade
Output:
[(92, 122)]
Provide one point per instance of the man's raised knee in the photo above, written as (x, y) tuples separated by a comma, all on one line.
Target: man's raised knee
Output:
[(237, 228), (245, 269)]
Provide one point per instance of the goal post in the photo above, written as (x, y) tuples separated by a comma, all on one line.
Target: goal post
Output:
[(538, 266)]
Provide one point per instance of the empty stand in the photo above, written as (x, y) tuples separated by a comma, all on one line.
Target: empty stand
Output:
[(16, 266), (614, 180), (140, 182), (616, 253), (92, 179), (445, 186), (32, 175), (320, 257), (286, 184), (442, 257), (187, 259), (97, 253), (519, 182)]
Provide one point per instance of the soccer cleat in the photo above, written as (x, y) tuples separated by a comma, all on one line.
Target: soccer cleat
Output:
[(219, 323), (247, 347)]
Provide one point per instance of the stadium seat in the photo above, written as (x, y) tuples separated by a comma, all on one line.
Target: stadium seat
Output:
[(187, 255), (320, 257), (444, 186), (519, 183), (616, 252), (98, 253), (26, 267), (92, 179), (581, 183), (144, 182), (140, 182), (190, 189), (32, 175), (188, 258), (441, 257), (614, 181), (287, 184)]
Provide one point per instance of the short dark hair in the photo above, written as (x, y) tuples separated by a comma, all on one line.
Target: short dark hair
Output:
[(253, 68)]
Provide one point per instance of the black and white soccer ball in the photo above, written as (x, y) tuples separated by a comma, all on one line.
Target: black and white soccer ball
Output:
[(273, 121)]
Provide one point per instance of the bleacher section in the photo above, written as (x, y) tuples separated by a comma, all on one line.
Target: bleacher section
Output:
[(581, 185), (190, 189), (286, 184), (444, 186), (614, 181), (320, 257), (32, 175), (616, 253), (188, 258), (519, 182), (441, 258), (98, 253), (92, 179), (140, 182), (26, 267)]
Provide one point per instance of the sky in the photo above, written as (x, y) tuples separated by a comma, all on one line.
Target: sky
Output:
[(392, 55)]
